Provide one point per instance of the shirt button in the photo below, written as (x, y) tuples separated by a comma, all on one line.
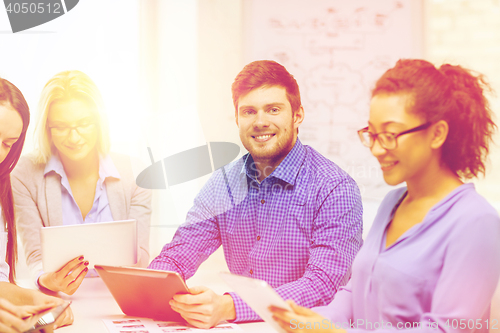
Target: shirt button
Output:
[(258, 238), (251, 272), (263, 201)]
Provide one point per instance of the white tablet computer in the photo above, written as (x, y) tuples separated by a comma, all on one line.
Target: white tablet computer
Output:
[(104, 243), (258, 294)]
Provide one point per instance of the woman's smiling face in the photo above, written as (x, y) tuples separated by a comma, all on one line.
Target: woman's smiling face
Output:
[(73, 128), (388, 113), (11, 127)]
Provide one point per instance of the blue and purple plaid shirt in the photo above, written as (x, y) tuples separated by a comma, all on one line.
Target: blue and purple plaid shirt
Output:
[(299, 229)]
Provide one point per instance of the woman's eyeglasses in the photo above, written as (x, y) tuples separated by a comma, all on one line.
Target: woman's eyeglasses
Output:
[(387, 140), (66, 130)]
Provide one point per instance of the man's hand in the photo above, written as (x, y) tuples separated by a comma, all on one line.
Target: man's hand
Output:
[(67, 279), (203, 308)]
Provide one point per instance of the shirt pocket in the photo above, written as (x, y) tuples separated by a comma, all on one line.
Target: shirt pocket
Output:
[(399, 294), (238, 229), (297, 231), (300, 221)]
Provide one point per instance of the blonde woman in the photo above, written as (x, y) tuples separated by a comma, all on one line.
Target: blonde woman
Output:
[(73, 179)]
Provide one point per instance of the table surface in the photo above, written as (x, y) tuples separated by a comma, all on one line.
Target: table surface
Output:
[(93, 302)]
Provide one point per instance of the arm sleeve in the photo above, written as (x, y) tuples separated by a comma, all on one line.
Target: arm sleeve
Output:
[(336, 239), (4, 267), (4, 271), (468, 280), (340, 309), (29, 223), (195, 240), (140, 210)]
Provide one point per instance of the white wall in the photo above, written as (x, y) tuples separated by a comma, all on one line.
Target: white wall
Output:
[(467, 32)]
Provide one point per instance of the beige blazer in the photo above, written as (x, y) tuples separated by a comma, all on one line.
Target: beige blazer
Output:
[(37, 200)]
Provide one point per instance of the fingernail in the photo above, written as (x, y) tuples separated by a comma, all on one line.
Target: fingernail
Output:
[(86, 263), (81, 258), (86, 269)]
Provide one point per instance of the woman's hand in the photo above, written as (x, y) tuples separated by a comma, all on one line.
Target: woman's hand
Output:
[(67, 279), (66, 318), (302, 320), (14, 318)]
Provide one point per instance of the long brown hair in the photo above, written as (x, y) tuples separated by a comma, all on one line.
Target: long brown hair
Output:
[(10, 95)]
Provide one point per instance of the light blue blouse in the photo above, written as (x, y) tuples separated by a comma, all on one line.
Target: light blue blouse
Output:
[(100, 211), (439, 276)]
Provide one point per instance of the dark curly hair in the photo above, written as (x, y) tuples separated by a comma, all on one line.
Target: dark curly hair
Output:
[(453, 94)]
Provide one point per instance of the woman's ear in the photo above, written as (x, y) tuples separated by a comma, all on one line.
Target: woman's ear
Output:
[(439, 132)]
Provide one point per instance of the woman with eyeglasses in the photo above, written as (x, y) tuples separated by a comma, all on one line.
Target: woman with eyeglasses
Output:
[(73, 179), (431, 260), (16, 303)]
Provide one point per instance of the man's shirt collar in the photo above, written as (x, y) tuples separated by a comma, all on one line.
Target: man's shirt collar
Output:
[(287, 170)]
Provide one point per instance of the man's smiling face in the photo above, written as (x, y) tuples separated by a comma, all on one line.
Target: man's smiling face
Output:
[(267, 124)]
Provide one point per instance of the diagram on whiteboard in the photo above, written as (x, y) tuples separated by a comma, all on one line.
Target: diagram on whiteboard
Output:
[(336, 50)]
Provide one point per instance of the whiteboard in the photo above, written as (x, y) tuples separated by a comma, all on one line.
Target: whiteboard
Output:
[(336, 49)]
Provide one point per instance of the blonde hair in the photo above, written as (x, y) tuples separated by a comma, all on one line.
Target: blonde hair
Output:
[(68, 85)]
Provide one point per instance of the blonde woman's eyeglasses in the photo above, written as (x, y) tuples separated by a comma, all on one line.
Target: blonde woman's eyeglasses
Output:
[(83, 129)]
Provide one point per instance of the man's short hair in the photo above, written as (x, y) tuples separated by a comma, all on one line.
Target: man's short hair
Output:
[(265, 73)]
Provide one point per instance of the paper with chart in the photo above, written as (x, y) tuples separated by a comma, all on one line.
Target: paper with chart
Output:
[(122, 324), (336, 50)]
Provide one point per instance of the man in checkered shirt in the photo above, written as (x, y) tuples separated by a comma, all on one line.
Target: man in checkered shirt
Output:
[(283, 213)]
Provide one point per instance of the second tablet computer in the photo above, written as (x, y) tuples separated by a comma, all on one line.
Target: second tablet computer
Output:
[(144, 292), (105, 243)]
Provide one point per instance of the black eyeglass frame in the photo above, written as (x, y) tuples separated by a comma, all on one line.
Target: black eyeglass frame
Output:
[(71, 128), (395, 136)]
